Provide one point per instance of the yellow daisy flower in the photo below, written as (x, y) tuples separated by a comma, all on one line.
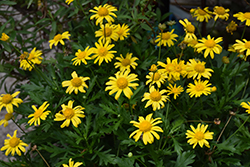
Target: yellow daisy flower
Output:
[(103, 52), (202, 14), (122, 31), (7, 117), (189, 29), (155, 97), (243, 17), (59, 38), (242, 46), (8, 100), (107, 33), (221, 13), (103, 12), (196, 68), (146, 129), (174, 90), (75, 84), (13, 145), (27, 60), (122, 82), (153, 68), (82, 56), (198, 88), (179, 69), (210, 46), (166, 38), (71, 164), (126, 62), (4, 37), (156, 77), (168, 68), (192, 43), (70, 114), (246, 106), (199, 135), (232, 26), (39, 114), (68, 1)]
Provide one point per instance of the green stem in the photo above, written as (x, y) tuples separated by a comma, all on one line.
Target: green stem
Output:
[(130, 107), (243, 32), (15, 48), (18, 126), (177, 110), (42, 157), (159, 54), (197, 27), (93, 76), (245, 88), (213, 25), (141, 162)]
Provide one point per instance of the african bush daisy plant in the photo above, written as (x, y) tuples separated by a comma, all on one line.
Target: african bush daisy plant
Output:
[(111, 84)]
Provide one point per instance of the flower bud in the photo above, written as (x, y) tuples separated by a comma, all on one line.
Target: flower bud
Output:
[(153, 68), (130, 154), (162, 26), (213, 89), (232, 113), (225, 60), (217, 121)]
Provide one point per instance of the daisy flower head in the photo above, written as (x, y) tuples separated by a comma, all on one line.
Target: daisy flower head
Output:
[(4, 37), (75, 84), (103, 52), (202, 14), (13, 145), (27, 60), (168, 68), (127, 62), (122, 31), (243, 17), (122, 82), (179, 69), (82, 56), (242, 46), (103, 12), (166, 38), (8, 100), (68, 1), (210, 45), (157, 78), (198, 88), (199, 135), (146, 129), (176, 91), (221, 13), (155, 98), (189, 29), (71, 164), (196, 68), (232, 26), (59, 38), (39, 114), (7, 117), (246, 106), (70, 114), (107, 33)]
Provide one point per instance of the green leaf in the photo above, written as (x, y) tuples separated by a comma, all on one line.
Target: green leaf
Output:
[(185, 159), (105, 158), (177, 146), (30, 2), (7, 3), (145, 27)]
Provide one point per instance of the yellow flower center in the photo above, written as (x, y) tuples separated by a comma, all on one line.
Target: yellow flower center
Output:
[(14, 141), (247, 45), (156, 76), (178, 68), (201, 12), (81, 55), (122, 83), (247, 15), (165, 36), (145, 126), (125, 62), (68, 113), (8, 116), (199, 87), (103, 11), (6, 99), (220, 11), (155, 96), (199, 135), (24, 55), (199, 68), (120, 32), (102, 51), (210, 43), (107, 32), (58, 37), (190, 28), (175, 90), (76, 82), (38, 113)]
